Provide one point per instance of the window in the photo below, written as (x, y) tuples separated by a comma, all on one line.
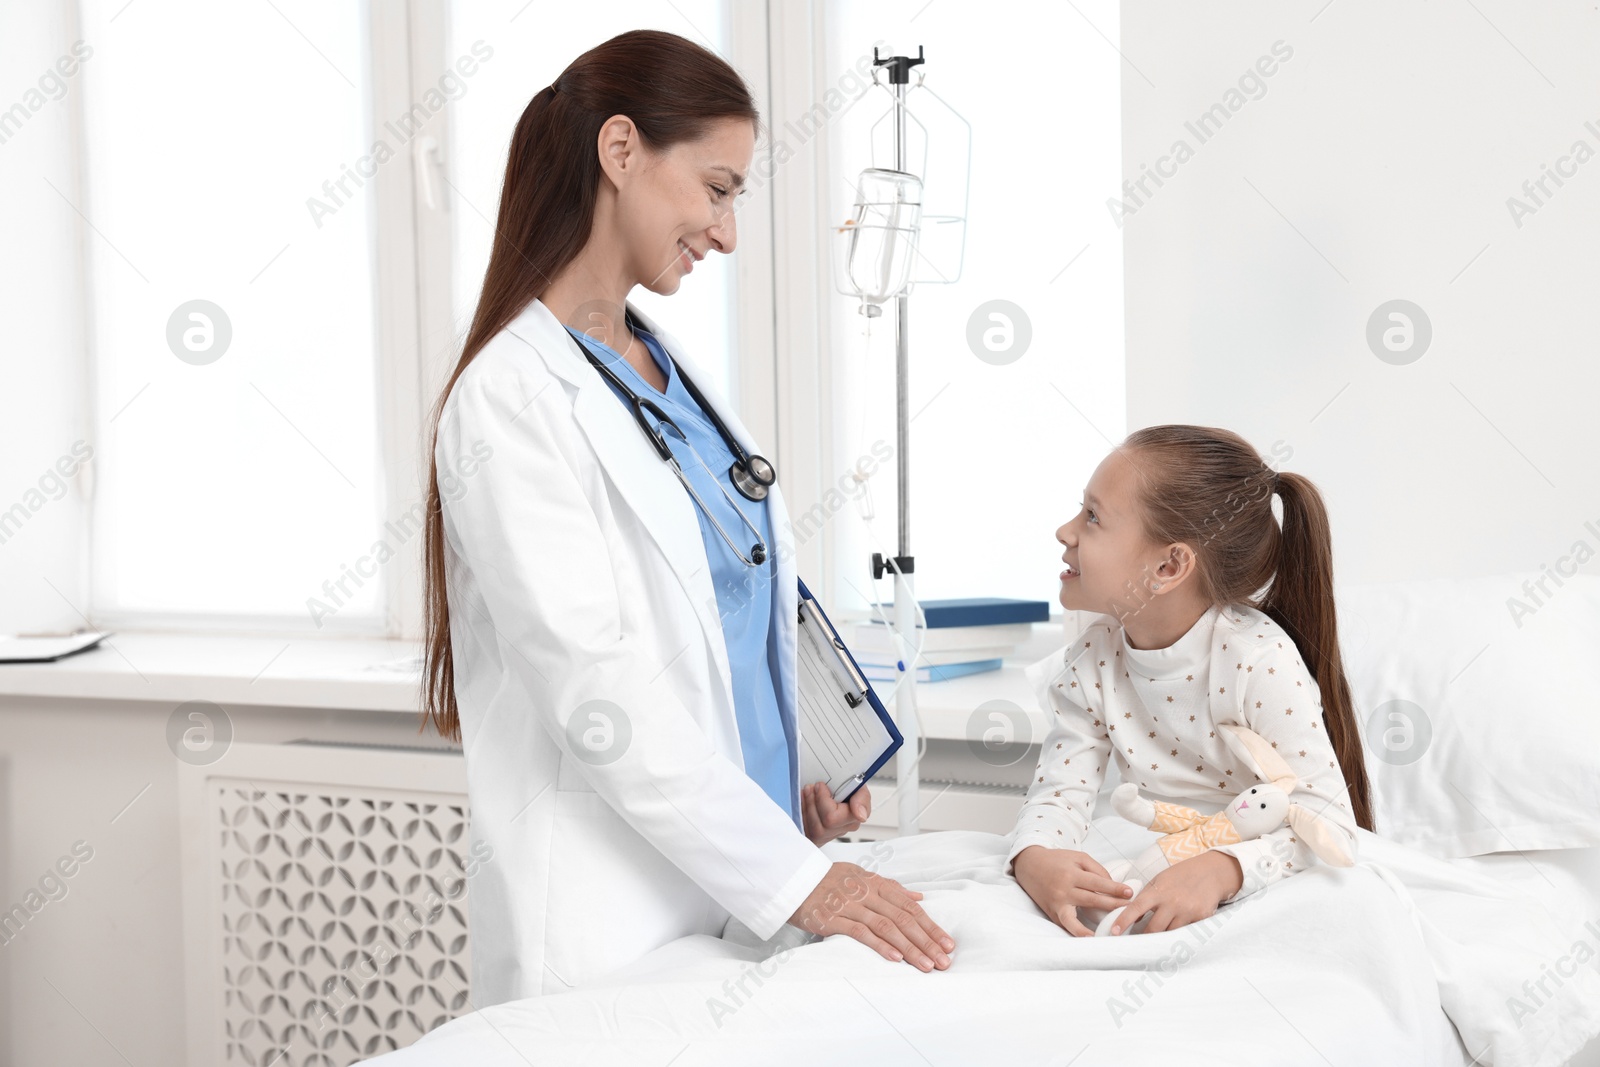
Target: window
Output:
[(288, 211), (234, 344)]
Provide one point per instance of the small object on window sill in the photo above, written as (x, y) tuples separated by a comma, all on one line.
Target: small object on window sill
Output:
[(46, 648)]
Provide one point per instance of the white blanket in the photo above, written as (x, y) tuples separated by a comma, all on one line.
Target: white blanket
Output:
[(1331, 966)]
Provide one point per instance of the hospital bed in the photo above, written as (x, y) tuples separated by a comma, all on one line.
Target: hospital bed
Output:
[(1467, 933)]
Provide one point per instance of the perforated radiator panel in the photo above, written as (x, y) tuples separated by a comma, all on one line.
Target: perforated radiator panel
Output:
[(340, 918)]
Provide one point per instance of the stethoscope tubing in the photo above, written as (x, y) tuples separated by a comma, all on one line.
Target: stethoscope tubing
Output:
[(758, 552)]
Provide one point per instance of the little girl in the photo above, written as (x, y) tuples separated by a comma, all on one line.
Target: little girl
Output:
[(1208, 613)]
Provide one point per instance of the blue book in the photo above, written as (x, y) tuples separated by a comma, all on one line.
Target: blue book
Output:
[(979, 611), (941, 673)]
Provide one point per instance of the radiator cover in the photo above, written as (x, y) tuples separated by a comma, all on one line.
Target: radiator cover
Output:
[(325, 902)]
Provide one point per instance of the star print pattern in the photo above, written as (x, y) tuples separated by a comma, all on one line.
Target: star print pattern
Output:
[(1172, 713)]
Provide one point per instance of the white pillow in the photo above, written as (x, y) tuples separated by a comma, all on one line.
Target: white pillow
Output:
[(1479, 704)]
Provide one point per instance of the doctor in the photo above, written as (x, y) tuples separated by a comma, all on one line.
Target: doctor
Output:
[(611, 594)]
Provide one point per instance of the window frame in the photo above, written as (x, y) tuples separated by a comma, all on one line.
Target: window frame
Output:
[(780, 373)]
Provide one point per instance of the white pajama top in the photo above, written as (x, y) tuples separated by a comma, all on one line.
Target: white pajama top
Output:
[(1157, 711)]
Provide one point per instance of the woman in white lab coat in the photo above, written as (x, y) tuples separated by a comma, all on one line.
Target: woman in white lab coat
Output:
[(575, 638)]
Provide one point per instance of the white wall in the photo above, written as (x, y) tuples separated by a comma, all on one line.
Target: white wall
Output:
[(1376, 165), (42, 357)]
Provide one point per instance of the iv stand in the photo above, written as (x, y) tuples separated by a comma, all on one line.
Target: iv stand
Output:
[(903, 565)]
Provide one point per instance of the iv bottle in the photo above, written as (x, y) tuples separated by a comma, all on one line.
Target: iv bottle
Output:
[(883, 237)]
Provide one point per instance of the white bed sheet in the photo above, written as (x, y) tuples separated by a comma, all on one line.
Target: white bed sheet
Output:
[(1567, 882), (1403, 959)]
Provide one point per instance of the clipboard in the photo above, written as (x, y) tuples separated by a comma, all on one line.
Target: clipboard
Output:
[(845, 733)]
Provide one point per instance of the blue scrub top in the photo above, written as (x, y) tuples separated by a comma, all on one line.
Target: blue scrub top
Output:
[(744, 593)]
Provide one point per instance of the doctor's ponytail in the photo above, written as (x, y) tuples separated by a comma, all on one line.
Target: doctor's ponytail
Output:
[(673, 90)]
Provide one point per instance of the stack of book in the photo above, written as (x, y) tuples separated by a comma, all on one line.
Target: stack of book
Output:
[(963, 636)]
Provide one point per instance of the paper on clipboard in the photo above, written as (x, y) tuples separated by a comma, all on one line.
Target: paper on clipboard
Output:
[(845, 733)]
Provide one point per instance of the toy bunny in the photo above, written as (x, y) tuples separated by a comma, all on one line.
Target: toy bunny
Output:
[(1259, 809)]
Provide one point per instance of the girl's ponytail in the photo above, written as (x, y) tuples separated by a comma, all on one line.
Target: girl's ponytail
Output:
[(1300, 599)]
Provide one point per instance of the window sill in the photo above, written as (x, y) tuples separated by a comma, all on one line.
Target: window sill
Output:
[(172, 667), (367, 674)]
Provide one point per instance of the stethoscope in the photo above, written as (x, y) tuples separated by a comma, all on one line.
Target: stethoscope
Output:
[(752, 475)]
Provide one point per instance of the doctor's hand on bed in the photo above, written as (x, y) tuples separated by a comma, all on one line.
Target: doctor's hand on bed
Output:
[(826, 818), (1061, 880), (879, 912)]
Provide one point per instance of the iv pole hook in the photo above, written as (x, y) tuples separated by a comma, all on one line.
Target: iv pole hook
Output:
[(899, 66)]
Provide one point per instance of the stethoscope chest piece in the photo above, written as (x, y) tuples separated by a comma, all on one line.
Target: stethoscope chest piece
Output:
[(753, 477)]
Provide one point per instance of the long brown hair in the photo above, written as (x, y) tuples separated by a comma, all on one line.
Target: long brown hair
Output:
[(1209, 488), (673, 90)]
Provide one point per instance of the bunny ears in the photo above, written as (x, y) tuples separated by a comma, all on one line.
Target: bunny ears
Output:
[(1316, 831), (1258, 752)]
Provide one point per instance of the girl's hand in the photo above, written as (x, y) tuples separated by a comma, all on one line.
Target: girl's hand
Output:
[(825, 818), (1061, 881), (878, 912), (1185, 893)]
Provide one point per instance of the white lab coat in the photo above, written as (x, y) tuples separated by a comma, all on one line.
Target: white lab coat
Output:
[(576, 572)]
